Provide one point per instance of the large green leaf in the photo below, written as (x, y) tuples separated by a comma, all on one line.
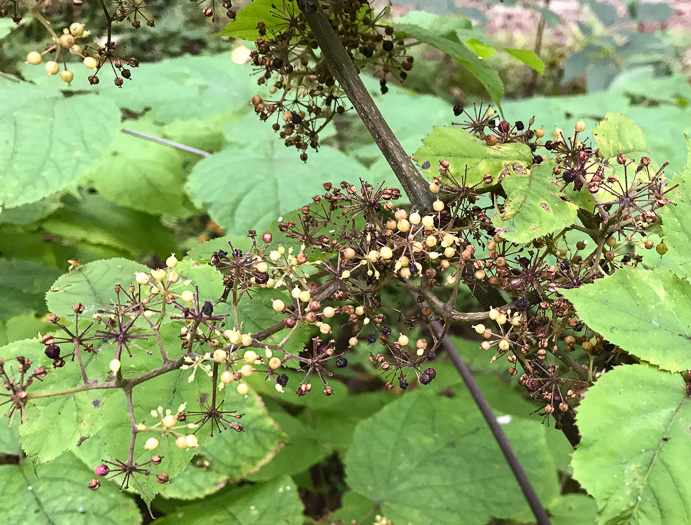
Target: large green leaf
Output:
[(275, 502), (244, 191), (142, 175), (463, 150), (534, 207), (23, 284), (528, 57), (441, 451), (195, 482), (478, 67), (676, 219), (635, 446), (646, 312), (618, 134), (47, 142), (56, 493), (92, 285)]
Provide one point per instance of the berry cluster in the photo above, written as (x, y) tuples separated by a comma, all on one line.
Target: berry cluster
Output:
[(305, 94)]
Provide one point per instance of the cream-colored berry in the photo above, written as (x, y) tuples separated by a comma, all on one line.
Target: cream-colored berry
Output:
[(274, 363), (191, 441), (278, 305), (52, 67), (181, 442), (438, 205), (227, 377), (159, 274), (243, 389), (151, 444), (479, 328), (329, 311), (172, 261), (403, 340), (34, 58), (90, 63), (220, 356), (187, 296), (250, 357), (114, 365), (141, 277), (247, 370), (169, 421), (386, 252)]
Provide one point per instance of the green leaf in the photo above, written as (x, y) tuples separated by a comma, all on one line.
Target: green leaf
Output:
[(92, 285), (676, 219), (91, 218), (242, 191), (142, 175), (529, 58), (195, 483), (573, 509), (22, 327), (275, 502), (244, 26), (481, 49), (632, 304), (23, 284), (479, 68), (30, 213), (534, 207), (56, 493), (463, 150), (635, 446), (47, 142), (618, 134), (442, 451)]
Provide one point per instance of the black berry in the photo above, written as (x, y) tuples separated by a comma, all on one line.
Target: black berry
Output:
[(282, 379), (52, 351), (341, 362), (403, 384)]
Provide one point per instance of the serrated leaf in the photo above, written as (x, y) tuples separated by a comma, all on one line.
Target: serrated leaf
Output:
[(47, 142), (463, 150), (635, 446), (195, 483), (534, 207), (441, 450), (675, 219), (56, 493), (629, 306), (242, 191), (573, 509), (244, 26), (618, 134), (477, 67), (275, 502), (23, 284), (92, 285)]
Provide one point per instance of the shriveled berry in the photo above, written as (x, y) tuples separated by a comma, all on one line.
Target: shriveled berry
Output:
[(282, 379), (425, 379), (403, 384), (522, 304)]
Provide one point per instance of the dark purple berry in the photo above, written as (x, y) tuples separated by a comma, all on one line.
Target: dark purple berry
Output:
[(426, 165), (341, 362), (282, 379), (569, 175), (431, 356), (564, 265), (403, 384), (519, 125), (431, 373), (386, 330), (549, 145), (425, 378), (295, 118), (371, 338), (387, 45), (537, 159), (504, 126), (522, 304), (277, 63), (208, 308), (457, 110), (367, 51), (52, 351)]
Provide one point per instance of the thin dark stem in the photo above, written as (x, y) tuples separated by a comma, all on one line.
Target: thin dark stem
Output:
[(165, 142), (341, 66), (503, 442)]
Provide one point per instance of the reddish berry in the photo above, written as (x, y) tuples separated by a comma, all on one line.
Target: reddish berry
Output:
[(102, 470)]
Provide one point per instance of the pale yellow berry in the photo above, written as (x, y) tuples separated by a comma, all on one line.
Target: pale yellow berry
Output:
[(449, 252), (580, 126), (278, 305), (246, 339), (191, 441), (403, 340), (325, 328), (405, 273), (169, 421), (220, 356), (345, 274), (501, 320), (490, 112), (141, 277), (274, 256), (181, 442), (431, 241), (262, 267), (485, 345), (434, 187), (305, 296), (76, 29), (391, 224), (437, 205), (414, 218), (360, 310), (403, 225), (173, 276), (34, 58), (479, 275), (250, 357), (243, 389), (539, 133), (52, 67), (90, 63), (295, 292), (450, 280), (352, 341), (172, 261), (227, 377), (329, 311), (66, 41), (247, 370), (159, 274), (114, 365), (274, 363), (479, 328), (386, 252), (151, 444), (504, 345), (428, 222), (349, 253), (493, 314), (187, 296)]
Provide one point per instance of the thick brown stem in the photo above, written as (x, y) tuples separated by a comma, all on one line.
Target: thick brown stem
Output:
[(341, 66)]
